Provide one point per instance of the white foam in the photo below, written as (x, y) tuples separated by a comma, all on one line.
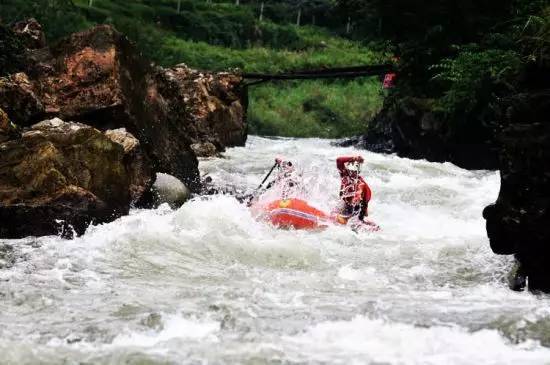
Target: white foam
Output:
[(363, 340), (174, 328)]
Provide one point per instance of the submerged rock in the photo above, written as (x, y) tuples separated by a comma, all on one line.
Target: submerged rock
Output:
[(61, 176), (168, 189)]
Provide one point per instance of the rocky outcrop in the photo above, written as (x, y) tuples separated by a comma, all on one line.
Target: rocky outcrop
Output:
[(410, 127), (7, 129), (519, 221), (59, 177), (19, 100), (211, 107), (12, 52), (97, 77), (30, 33), (138, 165)]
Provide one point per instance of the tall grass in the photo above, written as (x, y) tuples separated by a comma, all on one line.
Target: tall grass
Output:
[(314, 108)]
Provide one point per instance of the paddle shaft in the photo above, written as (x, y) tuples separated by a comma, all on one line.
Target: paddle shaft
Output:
[(267, 176)]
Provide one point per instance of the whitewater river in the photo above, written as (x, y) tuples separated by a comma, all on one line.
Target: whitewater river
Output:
[(208, 284)]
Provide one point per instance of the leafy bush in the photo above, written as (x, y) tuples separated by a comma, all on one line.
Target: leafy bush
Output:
[(473, 75), (535, 37)]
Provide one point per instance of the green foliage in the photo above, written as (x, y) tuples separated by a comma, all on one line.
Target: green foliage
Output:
[(58, 17), (314, 108), (259, 59), (535, 37), (473, 75)]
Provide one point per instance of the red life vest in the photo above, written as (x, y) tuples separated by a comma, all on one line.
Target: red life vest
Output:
[(353, 191)]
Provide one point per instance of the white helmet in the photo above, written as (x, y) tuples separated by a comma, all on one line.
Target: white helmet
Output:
[(354, 166)]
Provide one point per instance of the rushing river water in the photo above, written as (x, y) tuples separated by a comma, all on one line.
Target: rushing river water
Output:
[(208, 284)]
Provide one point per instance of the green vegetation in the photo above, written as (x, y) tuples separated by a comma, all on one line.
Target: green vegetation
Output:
[(314, 108), (462, 56), (220, 35)]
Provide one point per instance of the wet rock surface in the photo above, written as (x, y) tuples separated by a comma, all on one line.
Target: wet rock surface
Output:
[(211, 107), (8, 130), (98, 78), (158, 119), (19, 100), (518, 222), (61, 176), (411, 128)]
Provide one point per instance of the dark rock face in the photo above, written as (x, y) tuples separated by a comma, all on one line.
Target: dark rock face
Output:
[(62, 176), (7, 129), (519, 221), (138, 165), (97, 77), (209, 107), (31, 33), (58, 177), (411, 128), (12, 52), (19, 100)]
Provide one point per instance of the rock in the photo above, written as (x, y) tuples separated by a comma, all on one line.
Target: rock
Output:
[(61, 176), (168, 189), (211, 106), (12, 52), (7, 129), (518, 222), (7, 256), (412, 128), (98, 78), (18, 99), (30, 32), (138, 165), (205, 149)]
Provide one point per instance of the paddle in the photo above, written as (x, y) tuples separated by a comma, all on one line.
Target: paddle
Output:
[(252, 196), (267, 176)]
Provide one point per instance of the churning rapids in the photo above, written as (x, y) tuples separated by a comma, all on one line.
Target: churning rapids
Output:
[(208, 284)]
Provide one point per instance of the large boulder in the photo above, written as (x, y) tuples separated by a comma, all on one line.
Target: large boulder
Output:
[(59, 177), (519, 221), (138, 165), (98, 78), (209, 107)]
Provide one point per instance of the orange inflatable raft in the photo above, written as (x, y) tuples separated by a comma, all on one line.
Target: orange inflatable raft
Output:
[(298, 214), (294, 213)]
